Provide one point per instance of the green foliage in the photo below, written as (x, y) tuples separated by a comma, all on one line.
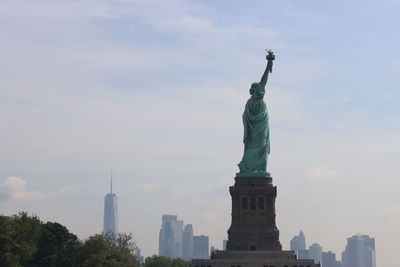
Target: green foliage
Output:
[(122, 241), (28, 242), (18, 238), (56, 247), (159, 261), (179, 263), (109, 251)]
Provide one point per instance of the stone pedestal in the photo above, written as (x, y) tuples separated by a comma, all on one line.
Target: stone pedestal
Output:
[(253, 238), (253, 259), (253, 224)]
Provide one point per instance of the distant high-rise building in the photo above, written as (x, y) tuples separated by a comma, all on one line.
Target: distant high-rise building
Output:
[(303, 254), (138, 255), (110, 222), (171, 237), (177, 227), (359, 252), (200, 247), (187, 242), (166, 236), (329, 259), (298, 242), (224, 244), (315, 253), (212, 250)]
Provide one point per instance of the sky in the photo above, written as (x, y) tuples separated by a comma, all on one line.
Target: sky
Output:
[(155, 90)]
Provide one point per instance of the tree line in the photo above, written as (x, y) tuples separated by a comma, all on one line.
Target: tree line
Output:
[(27, 241)]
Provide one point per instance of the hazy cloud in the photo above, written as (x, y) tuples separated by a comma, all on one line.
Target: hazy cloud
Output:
[(16, 188), (147, 188), (389, 211), (320, 174)]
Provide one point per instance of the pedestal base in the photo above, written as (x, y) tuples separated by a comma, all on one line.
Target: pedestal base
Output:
[(253, 224), (253, 259)]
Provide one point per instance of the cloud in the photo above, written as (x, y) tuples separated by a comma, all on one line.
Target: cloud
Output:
[(389, 211), (10, 186), (66, 190), (15, 188), (320, 174), (147, 188)]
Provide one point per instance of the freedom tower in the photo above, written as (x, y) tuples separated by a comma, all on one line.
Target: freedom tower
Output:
[(110, 222), (253, 237)]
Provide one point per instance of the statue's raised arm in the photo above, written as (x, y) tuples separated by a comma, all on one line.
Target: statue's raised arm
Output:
[(268, 69)]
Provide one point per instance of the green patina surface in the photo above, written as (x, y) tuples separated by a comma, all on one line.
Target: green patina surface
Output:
[(256, 129)]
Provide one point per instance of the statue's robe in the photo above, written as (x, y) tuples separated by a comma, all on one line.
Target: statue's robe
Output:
[(256, 134)]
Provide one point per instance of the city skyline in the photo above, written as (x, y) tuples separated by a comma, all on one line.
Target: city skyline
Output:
[(177, 240), (359, 252), (156, 90)]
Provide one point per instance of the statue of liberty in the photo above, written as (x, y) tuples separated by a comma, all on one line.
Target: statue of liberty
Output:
[(256, 129)]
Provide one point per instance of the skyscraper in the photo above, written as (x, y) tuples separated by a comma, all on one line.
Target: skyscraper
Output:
[(329, 259), (110, 222), (359, 252), (298, 242), (187, 242), (315, 253), (303, 254), (200, 247), (170, 238)]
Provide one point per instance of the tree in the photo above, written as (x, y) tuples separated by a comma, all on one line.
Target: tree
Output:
[(179, 263), (122, 241), (160, 261), (18, 239), (93, 252), (26, 241), (56, 247), (103, 251)]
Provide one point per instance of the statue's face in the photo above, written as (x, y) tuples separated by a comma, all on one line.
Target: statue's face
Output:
[(253, 88)]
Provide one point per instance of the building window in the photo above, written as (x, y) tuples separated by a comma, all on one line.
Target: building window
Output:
[(253, 203), (253, 247), (261, 203), (244, 203)]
